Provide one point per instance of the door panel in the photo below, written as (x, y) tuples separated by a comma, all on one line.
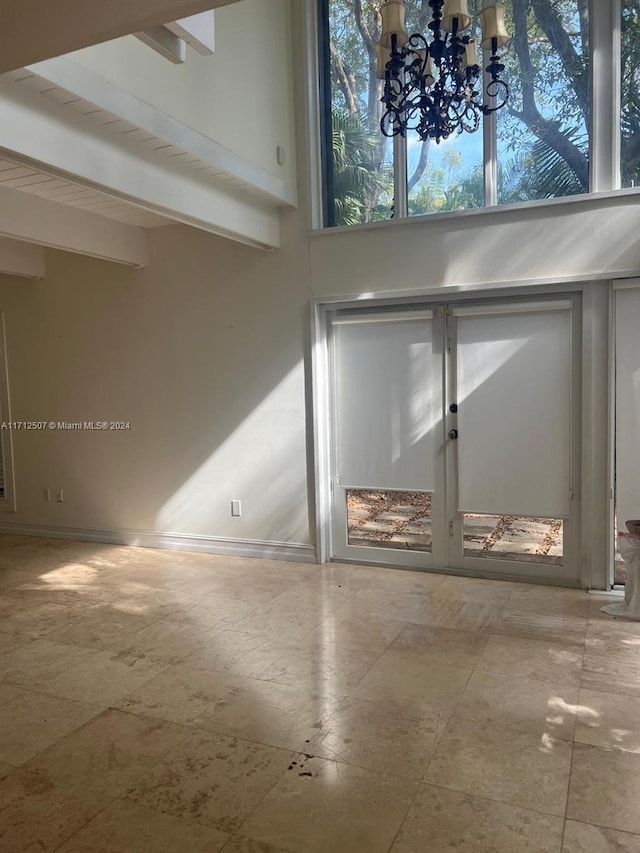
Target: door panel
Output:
[(627, 319), (453, 438), (514, 411), (388, 442)]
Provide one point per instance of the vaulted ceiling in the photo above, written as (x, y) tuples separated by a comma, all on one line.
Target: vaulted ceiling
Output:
[(33, 30)]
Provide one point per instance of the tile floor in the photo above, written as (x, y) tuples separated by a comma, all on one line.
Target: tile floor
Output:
[(161, 701)]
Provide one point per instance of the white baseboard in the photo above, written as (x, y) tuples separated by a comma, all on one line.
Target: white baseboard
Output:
[(291, 551)]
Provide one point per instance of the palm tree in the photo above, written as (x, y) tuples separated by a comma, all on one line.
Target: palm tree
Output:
[(361, 181)]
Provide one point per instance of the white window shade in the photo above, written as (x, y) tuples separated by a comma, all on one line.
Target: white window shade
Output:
[(627, 405), (514, 410), (387, 402)]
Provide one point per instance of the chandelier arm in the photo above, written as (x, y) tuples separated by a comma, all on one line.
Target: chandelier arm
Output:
[(497, 91), (429, 87)]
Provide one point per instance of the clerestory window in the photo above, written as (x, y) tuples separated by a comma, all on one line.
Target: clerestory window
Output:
[(540, 146)]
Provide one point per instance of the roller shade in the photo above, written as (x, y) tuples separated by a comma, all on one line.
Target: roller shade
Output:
[(627, 355), (513, 376), (387, 403)]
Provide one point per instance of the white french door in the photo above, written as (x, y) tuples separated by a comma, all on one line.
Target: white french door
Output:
[(454, 437)]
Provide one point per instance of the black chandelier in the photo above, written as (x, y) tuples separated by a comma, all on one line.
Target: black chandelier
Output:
[(432, 88)]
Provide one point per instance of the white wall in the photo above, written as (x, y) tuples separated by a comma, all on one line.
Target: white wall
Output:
[(240, 96), (201, 352), (557, 241)]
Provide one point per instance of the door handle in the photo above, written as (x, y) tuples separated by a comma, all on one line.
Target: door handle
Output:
[(453, 434)]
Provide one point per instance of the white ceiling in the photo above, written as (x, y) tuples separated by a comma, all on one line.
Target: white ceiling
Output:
[(29, 179)]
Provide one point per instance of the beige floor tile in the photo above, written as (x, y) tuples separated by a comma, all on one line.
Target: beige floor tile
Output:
[(331, 806), (247, 845), (319, 667), (32, 722), (442, 820), (5, 769), (235, 652), (279, 623), (34, 621), (442, 646), (520, 703), (125, 827), (99, 627), (529, 598), (212, 779), (538, 660), (385, 604), (404, 580), (152, 604), (459, 614), (609, 720), (183, 694), (514, 767), (312, 597), (36, 815), (359, 633), (564, 629), (613, 636), (279, 715), (108, 753), (7, 693), (584, 838), (9, 643), (216, 611), (474, 589), (255, 588), (105, 678), (40, 660), (165, 641), (616, 672), (368, 735), (414, 686), (10, 579), (605, 788)]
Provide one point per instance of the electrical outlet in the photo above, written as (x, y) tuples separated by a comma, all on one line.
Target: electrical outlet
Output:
[(59, 496), (236, 509), (46, 494)]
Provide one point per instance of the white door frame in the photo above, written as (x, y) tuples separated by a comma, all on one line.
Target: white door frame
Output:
[(594, 465)]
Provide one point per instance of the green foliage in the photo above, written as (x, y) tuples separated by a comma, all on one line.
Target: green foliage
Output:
[(542, 133), (630, 112), (360, 179)]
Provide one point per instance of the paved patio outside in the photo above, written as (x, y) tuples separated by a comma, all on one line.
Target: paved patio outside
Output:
[(403, 520)]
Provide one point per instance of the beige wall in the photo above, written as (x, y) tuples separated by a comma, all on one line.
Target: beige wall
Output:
[(240, 96), (555, 241), (201, 352)]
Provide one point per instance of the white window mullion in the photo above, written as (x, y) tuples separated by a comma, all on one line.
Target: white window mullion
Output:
[(400, 178), (605, 25), (490, 138), (490, 133)]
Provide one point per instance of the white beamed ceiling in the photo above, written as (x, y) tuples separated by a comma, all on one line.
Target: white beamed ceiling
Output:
[(76, 139), (33, 30), (212, 162), (28, 179)]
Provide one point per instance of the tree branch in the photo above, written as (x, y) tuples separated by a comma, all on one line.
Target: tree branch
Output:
[(420, 166), (546, 130), (574, 67), (345, 81)]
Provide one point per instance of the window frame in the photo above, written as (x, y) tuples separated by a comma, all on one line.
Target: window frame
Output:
[(604, 126)]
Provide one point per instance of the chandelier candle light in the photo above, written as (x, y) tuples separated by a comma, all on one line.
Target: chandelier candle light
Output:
[(430, 88)]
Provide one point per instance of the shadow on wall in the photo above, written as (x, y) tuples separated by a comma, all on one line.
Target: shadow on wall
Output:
[(202, 352), (253, 463)]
